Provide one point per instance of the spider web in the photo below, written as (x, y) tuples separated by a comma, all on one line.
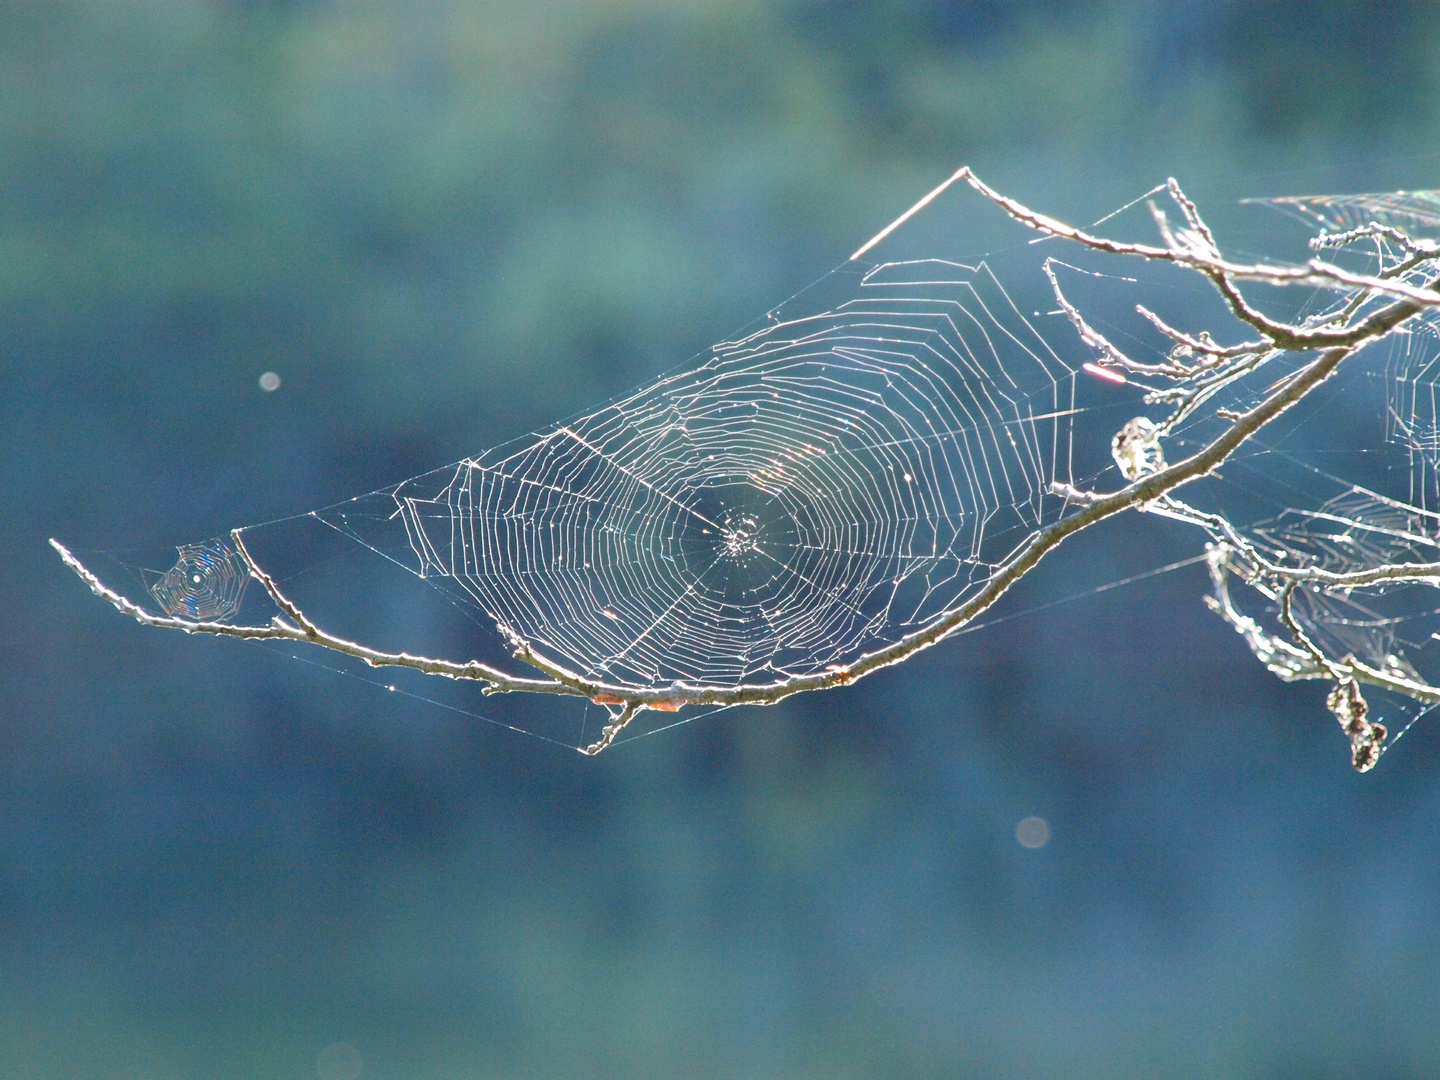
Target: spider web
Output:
[(812, 491), (837, 476), (1405, 365), (207, 582), (1352, 481), (1417, 212)]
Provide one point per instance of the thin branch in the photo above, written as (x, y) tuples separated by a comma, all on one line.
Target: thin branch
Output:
[(1298, 634), (279, 630), (1424, 248), (1192, 216), (612, 729), (277, 597), (1292, 662), (1306, 660), (1109, 354), (1201, 343), (1330, 580)]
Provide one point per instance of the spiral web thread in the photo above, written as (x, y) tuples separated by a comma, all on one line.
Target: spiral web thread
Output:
[(207, 582), (810, 492)]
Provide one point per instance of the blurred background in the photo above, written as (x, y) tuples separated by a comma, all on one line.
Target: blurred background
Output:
[(443, 224)]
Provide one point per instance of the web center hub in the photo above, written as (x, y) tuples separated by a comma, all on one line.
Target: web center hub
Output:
[(738, 534)]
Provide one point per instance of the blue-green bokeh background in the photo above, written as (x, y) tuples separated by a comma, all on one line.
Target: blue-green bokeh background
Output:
[(445, 224)]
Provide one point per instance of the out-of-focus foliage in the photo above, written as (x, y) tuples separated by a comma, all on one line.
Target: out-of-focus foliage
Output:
[(445, 223)]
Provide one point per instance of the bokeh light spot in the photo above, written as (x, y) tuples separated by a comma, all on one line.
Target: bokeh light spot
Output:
[(1033, 832), (269, 381)]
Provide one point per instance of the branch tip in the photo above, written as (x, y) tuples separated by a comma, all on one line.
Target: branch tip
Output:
[(616, 725)]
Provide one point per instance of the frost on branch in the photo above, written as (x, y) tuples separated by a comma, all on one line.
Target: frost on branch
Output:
[(876, 462)]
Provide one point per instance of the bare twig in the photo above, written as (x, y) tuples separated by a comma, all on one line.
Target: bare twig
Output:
[(1298, 634), (1202, 342), (1291, 661), (1426, 249), (1330, 580), (612, 729), (1109, 354)]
